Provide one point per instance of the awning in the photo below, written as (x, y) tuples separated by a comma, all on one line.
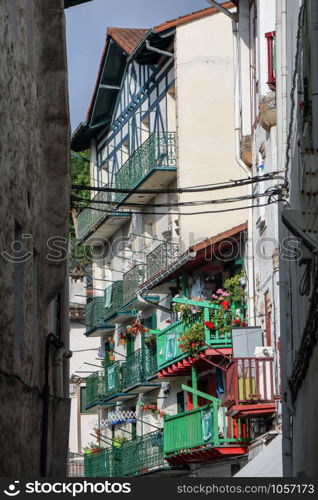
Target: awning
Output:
[(268, 463)]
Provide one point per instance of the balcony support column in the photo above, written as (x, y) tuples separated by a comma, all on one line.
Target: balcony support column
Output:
[(194, 377)]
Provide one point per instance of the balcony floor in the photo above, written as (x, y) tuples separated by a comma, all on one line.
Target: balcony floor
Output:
[(157, 178), (100, 331), (256, 410), (182, 366), (106, 228)]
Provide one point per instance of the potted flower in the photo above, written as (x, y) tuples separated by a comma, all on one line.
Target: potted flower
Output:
[(188, 313), (193, 339), (235, 287), (150, 341), (222, 297), (122, 339), (136, 328)]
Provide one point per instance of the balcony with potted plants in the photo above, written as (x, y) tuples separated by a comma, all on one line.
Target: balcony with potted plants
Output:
[(123, 380), (203, 332)]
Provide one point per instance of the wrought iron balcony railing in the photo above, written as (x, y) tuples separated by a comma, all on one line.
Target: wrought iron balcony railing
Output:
[(132, 458), (101, 385), (141, 455), (131, 281), (95, 388), (113, 298), (163, 255), (119, 376), (89, 218), (157, 152), (203, 428), (95, 312), (138, 367), (99, 464)]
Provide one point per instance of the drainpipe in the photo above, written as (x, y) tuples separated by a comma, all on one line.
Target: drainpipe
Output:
[(314, 72), (284, 269), (158, 51), (241, 164)]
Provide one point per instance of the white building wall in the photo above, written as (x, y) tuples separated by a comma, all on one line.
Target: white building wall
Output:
[(205, 123), (85, 350)]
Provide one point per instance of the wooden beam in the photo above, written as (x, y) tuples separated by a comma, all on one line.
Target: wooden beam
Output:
[(201, 394)]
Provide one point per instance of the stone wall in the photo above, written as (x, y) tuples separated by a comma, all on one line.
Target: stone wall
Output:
[(34, 145)]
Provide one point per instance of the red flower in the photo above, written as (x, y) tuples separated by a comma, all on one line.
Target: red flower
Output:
[(237, 321), (244, 323), (209, 325)]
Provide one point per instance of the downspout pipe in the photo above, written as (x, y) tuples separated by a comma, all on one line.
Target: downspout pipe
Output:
[(241, 164), (314, 71), (232, 15), (284, 269)]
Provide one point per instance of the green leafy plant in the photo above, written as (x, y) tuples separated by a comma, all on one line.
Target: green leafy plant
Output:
[(193, 339), (150, 341), (222, 321), (233, 286), (119, 440), (188, 313)]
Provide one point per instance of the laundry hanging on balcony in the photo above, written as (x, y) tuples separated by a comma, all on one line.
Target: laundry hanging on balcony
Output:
[(111, 378), (108, 297), (171, 346), (207, 427)]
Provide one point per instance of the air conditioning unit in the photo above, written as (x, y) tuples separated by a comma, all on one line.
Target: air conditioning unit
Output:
[(263, 352)]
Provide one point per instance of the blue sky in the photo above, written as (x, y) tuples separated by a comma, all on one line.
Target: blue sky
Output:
[(86, 27)]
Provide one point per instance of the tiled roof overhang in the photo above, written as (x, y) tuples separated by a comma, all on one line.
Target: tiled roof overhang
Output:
[(198, 254), (122, 45)]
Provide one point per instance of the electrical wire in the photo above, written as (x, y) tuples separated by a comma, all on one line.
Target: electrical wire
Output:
[(176, 204), (194, 189), (130, 212)]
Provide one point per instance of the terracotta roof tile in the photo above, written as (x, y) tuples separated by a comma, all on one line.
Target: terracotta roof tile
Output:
[(127, 38), (190, 17)]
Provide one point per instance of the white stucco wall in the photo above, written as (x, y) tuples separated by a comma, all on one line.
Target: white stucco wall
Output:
[(205, 123)]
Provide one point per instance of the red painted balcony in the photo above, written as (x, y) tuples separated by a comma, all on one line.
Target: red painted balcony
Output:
[(250, 389)]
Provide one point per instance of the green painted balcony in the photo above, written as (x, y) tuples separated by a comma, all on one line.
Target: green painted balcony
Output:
[(160, 258), (205, 433), (138, 368), (142, 455), (101, 310), (113, 300), (169, 354), (99, 464), (100, 386), (123, 380), (91, 220), (95, 315), (152, 165)]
